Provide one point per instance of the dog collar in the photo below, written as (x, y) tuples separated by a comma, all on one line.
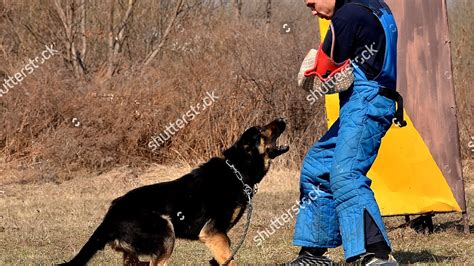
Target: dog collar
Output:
[(249, 191)]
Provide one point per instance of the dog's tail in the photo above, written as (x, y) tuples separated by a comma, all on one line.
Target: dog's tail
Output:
[(96, 242)]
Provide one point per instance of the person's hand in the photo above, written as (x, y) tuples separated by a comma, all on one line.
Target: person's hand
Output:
[(309, 63)]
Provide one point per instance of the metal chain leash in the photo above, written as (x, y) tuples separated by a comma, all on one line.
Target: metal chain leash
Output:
[(249, 191)]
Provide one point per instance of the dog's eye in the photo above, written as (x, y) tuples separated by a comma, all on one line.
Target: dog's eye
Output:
[(256, 139)]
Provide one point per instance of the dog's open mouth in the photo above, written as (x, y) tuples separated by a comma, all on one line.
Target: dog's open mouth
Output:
[(277, 127), (277, 151)]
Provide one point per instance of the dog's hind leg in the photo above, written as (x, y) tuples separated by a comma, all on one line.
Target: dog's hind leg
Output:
[(163, 257), (167, 245), (218, 243)]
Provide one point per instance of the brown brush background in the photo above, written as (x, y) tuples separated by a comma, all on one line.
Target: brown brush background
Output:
[(249, 63)]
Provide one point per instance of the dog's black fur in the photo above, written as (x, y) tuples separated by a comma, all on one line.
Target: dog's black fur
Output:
[(202, 205)]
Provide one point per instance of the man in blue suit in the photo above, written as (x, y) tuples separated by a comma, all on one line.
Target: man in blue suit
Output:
[(364, 34)]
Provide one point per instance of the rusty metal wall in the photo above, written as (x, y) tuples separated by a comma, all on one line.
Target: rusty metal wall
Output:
[(425, 80)]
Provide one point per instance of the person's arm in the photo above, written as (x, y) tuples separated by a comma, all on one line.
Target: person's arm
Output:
[(344, 41), (357, 29)]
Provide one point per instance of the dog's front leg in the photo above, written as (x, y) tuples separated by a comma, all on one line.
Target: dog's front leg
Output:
[(219, 245)]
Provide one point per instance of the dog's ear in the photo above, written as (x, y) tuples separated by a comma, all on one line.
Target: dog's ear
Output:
[(250, 138)]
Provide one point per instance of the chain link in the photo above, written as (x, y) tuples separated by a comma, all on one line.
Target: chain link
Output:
[(249, 191)]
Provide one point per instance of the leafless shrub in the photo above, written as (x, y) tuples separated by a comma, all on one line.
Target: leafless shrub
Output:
[(462, 48), (58, 119), (164, 59)]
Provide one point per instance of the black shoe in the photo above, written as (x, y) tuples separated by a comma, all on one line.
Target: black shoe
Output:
[(308, 258), (371, 259)]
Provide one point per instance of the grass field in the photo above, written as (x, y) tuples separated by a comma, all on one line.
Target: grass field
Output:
[(47, 223)]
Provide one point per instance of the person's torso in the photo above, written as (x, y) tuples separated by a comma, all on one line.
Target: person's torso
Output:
[(366, 33)]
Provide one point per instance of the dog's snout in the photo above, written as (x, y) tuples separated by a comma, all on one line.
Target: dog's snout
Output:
[(275, 128)]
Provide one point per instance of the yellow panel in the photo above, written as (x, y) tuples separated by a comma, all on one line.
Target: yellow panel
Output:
[(406, 179)]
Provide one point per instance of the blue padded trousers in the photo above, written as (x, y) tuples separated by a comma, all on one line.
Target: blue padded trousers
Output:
[(337, 164)]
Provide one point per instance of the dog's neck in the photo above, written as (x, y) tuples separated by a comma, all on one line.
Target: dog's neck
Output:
[(242, 162)]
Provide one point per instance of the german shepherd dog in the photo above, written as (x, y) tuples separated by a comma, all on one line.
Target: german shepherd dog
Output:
[(202, 205)]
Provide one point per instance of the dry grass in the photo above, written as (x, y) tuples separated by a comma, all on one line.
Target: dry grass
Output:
[(47, 223)]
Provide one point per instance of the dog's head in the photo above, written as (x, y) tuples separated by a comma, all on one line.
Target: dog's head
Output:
[(257, 146)]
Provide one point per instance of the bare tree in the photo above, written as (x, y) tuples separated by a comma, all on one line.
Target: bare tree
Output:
[(117, 36), (67, 16), (155, 32), (83, 32), (237, 8), (164, 37), (9, 39), (268, 15)]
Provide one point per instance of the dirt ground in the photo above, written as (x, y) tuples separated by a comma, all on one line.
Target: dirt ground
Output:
[(48, 223)]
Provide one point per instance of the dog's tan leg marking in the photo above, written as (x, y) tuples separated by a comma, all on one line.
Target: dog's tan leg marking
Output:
[(218, 244), (155, 262), (132, 260)]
